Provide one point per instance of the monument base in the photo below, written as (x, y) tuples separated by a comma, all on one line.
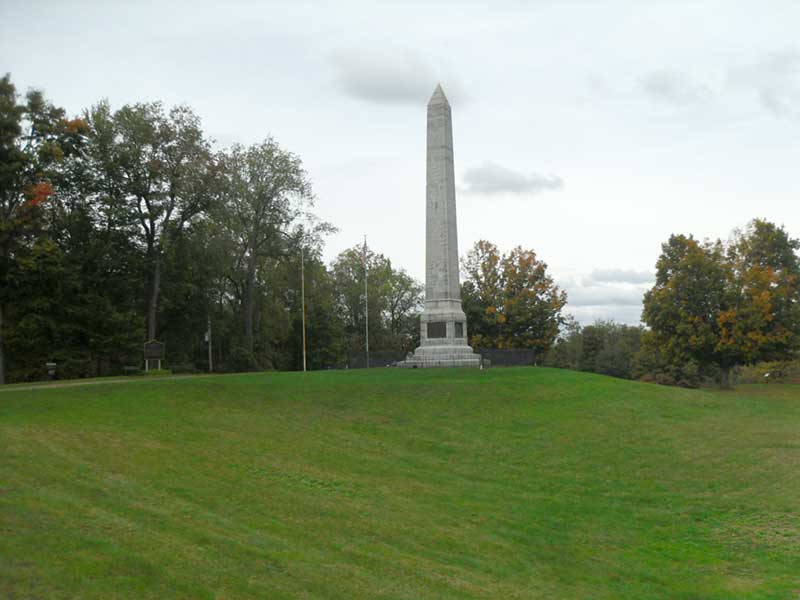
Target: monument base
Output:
[(443, 356), (443, 338)]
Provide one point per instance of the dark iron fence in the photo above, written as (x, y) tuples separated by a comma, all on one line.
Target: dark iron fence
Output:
[(381, 358), (508, 358), (494, 357)]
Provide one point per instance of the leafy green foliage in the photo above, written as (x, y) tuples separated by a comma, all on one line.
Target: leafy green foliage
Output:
[(240, 360), (264, 191), (125, 220), (714, 308), (155, 169), (55, 317), (763, 320), (395, 299), (124, 225), (605, 347), (36, 140), (510, 301)]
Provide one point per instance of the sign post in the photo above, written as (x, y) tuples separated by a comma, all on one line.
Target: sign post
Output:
[(208, 340), (153, 351)]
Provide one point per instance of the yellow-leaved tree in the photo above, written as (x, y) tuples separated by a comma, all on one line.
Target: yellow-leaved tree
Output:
[(715, 306), (509, 299)]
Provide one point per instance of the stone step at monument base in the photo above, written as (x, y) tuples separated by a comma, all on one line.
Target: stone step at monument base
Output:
[(431, 357)]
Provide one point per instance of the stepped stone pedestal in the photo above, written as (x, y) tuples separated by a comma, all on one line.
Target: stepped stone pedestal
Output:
[(443, 340), (443, 335)]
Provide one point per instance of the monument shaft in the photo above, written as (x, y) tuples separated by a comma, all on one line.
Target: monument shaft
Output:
[(443, 325), (441, 278)]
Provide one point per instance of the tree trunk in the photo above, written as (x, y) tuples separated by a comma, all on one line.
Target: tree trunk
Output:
[(725, 379), (4, 254), (152, 309), (2, 356), (248, 304)]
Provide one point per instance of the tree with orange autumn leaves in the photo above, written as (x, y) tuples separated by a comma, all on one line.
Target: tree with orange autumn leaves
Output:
[(35, 139), (717, 306), (93, 210), (509, 299)]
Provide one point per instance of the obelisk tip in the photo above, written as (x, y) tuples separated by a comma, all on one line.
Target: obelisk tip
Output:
[(438, 96)]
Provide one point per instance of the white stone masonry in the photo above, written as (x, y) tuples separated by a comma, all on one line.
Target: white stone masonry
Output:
[(443, 335)]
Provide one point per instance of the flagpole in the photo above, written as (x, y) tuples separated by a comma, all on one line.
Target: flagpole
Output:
[(303, 300), (210, 353), (366, 301)]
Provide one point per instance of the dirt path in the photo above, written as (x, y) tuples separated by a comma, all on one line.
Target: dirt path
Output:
[(66, 384)]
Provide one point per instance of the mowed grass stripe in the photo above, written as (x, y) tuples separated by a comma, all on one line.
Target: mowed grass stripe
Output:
[(513, 483)]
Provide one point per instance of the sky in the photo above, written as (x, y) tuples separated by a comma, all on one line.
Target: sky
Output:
[(587, 130)]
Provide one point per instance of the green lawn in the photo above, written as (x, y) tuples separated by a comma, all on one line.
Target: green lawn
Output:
[(504, 483)]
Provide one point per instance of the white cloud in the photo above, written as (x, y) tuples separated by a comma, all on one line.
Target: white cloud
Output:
[(606, 295), (400, 76), (673, 87), (621, 276), (491, 178), (585, 315), (775, 80), (639, 166)]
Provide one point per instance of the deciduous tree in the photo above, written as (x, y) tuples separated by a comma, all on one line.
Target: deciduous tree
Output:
[(155, 169), (762, 321), (394, 300), (510, 300), (35, 137), (264, 192), (714, 307)]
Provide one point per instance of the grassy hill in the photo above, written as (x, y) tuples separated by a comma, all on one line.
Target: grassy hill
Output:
[(505, 483)]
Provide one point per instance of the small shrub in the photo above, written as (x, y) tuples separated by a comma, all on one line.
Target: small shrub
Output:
[(240, 360), (75, 367)]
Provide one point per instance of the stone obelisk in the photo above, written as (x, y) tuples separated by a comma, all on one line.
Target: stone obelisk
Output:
[(443, 334)]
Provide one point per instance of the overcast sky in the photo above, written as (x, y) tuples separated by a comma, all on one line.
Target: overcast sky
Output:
[(586, 130)]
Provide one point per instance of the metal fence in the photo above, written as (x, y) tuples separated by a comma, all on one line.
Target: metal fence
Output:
[(382, 358), (493, 356), (508, 358)]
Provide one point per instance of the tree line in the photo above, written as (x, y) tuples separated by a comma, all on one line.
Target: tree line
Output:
[(122, 226), (715, 307), (127, 225)]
